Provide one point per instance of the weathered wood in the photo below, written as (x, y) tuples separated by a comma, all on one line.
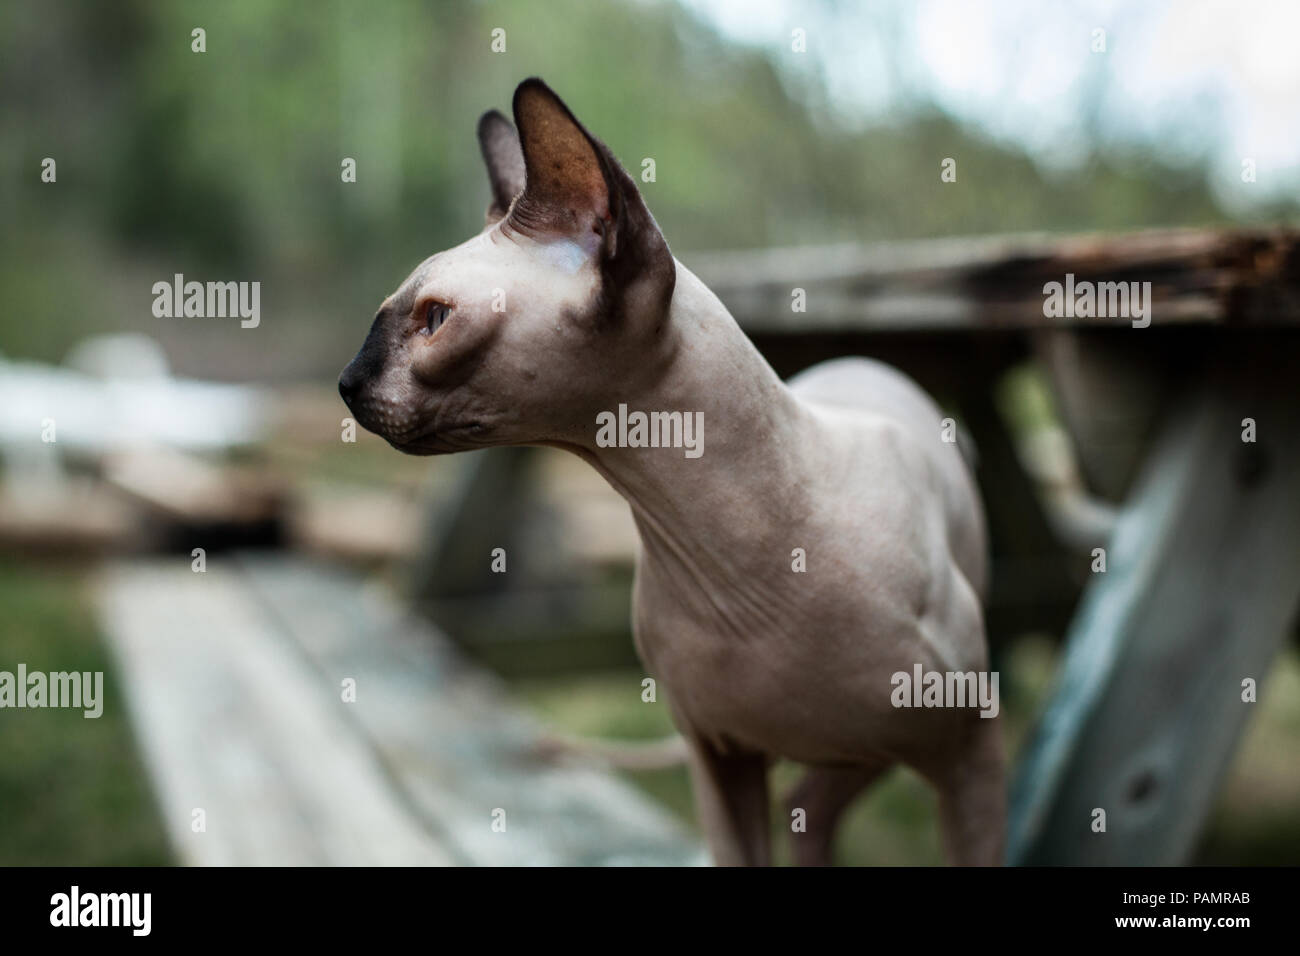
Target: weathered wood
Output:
[(232, 724), (1237, 277), (186, 489), (69, 516), (358, 526), (449, 740), (234, 677), (1202, 585)]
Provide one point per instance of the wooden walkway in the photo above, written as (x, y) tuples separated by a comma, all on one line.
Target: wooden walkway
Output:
[(235, 682)]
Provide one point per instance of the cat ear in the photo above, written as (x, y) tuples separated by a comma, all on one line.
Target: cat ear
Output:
[(504, 159), (574, 188), (566, 192)]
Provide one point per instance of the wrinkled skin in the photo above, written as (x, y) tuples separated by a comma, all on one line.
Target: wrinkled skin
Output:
[(570, 303)]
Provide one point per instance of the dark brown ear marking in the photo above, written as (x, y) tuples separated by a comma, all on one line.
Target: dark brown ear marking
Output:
[(575, 187), (565, 188), (499, 144)]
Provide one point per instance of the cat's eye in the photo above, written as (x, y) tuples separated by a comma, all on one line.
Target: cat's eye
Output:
[(437, 315)]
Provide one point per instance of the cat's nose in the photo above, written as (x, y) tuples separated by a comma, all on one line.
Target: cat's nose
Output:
[(347, 386)]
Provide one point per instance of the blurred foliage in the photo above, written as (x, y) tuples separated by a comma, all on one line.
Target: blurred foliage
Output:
[(226, 164)]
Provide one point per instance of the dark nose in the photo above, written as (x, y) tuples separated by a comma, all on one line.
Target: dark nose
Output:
[(347, 387)]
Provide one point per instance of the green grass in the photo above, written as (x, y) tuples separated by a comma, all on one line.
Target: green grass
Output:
[(72, 789)]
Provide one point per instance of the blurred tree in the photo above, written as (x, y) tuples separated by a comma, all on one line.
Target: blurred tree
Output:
[(229, 160)]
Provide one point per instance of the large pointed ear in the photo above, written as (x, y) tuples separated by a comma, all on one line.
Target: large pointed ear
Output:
[(499, 143), (575, 189)]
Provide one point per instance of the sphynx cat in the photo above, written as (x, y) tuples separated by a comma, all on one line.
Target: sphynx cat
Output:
[(569, 304)]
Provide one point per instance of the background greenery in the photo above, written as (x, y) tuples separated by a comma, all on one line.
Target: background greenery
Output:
[(225, 165)]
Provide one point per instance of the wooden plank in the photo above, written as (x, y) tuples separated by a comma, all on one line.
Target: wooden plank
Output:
[(232, 723), (1202, 585), (354, 525), (451, 742), (234, 677), (65, 515), (1236, 277), (185, 488)]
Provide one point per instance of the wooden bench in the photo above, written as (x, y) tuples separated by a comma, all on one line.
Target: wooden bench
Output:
[(235, 682)]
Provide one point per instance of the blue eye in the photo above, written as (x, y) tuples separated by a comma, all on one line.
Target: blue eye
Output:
[(437, 315)]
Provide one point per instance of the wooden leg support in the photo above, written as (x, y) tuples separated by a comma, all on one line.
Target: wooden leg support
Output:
[(1201, 587)]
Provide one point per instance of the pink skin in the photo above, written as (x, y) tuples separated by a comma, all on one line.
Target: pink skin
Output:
[(568, 304)]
